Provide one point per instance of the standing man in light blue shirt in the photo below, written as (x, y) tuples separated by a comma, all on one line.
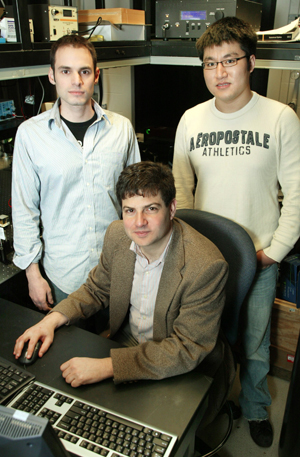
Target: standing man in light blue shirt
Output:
[(65, 168)]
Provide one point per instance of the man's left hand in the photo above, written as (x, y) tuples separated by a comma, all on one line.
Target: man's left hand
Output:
[(83, 370), (263, 260)]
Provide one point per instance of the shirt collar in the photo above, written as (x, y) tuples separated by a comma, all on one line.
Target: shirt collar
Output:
[(136, 249), (55, 114)]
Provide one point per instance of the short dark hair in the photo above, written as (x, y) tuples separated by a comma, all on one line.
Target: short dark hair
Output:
[(146, 178), (228, 29), (76, 41)]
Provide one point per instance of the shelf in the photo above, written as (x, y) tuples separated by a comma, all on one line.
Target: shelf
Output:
[(17, 63), (282, 56)]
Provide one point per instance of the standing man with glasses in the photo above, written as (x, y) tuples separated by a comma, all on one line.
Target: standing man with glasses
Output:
[(241, 147)]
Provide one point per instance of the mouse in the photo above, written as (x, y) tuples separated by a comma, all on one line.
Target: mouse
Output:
[(23, 360)]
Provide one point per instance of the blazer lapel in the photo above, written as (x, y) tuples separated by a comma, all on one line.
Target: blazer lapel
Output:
[(170, 280)]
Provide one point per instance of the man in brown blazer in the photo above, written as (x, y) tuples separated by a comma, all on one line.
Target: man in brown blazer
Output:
[(163, 283)]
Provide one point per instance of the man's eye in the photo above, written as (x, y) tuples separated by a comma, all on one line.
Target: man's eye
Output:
[(85, 72), (65, 72), (151, 209), (209, 64), (229, 61)]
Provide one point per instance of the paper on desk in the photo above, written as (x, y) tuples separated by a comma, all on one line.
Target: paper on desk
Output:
[(290, 32)]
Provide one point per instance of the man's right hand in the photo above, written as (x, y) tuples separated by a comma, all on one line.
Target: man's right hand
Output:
[(39, 289), (43, 331)]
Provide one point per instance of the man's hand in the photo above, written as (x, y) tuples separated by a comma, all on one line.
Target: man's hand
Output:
[(263, 260), (82, 370), (43, 331), (39, 290)]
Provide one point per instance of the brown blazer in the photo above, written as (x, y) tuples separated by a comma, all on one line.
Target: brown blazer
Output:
[(188, 307)]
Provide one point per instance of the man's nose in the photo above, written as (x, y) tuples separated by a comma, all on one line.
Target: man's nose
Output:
[(221, 71), (77, 79), (140, 219)]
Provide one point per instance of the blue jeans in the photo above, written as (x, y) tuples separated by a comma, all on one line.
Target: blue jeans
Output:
[(96, 323), (255, 360), (58, 294)]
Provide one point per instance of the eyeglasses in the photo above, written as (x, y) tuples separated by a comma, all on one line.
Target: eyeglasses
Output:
[(225, 63)]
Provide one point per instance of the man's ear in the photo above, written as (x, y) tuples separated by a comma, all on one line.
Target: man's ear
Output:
[(97, 74), (252, 62), (51, 76), (173, 205)]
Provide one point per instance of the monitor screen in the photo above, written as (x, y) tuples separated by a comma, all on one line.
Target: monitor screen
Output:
[(193, 15), (25, 435)]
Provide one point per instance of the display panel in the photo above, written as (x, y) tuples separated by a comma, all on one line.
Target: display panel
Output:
[(67, 13), (193, 15)]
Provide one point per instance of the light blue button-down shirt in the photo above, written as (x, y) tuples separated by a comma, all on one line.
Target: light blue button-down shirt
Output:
[(67, 192)]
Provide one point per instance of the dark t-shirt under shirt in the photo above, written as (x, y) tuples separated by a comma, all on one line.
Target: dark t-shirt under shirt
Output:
[(79, 128)]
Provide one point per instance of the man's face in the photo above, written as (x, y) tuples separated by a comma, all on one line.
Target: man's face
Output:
[(230, 85), (74, 76), (147, 221)]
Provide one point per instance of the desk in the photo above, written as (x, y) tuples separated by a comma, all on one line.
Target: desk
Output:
[(175, 405)]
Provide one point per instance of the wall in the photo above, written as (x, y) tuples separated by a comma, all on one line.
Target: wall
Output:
[(118, 90), (282, 86), (286, 11), (90, 4)]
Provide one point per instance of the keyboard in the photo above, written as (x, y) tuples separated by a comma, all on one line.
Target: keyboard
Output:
[(12, 379), (87, 430)]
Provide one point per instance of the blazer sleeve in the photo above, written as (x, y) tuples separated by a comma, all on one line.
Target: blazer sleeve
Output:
[(194, 328)]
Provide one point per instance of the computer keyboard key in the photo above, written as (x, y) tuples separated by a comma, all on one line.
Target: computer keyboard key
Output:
[(165, 437), (160, 442)]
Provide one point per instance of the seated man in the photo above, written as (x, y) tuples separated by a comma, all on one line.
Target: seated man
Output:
[(163, 283)]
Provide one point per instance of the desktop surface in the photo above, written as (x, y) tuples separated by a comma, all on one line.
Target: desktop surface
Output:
[(171, 404)]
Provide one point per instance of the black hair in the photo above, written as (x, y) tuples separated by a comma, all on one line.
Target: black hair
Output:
[(228, 29)]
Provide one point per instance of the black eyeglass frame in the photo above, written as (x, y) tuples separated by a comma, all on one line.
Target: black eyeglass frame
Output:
[(215, 64)]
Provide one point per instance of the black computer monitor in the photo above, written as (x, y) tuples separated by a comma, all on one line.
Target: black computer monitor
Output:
[(25, 435)]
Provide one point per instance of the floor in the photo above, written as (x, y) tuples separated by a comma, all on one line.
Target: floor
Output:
[(240, 443)]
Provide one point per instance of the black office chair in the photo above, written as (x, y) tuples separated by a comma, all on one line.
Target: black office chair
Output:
[(238, 250)]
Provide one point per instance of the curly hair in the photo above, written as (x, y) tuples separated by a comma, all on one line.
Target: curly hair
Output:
[(145, 179)]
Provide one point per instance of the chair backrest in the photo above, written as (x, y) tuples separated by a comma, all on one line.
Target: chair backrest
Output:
[(238, 250)]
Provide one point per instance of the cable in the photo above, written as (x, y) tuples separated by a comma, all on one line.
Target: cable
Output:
[(43, 95), (227, 434), (99, 20), (294, 76)]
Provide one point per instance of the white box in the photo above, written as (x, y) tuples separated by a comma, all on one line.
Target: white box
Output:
[(8, 29), (123, 32)]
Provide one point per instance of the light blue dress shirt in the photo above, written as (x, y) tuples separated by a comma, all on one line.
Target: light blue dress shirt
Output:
[(66, 192)]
